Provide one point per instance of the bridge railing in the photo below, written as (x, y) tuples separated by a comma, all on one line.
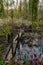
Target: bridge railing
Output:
[(15, 43)]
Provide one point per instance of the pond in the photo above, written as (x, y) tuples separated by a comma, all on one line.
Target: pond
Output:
[(26, 52)]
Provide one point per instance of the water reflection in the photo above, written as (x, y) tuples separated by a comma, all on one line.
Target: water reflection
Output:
[(29, 52)]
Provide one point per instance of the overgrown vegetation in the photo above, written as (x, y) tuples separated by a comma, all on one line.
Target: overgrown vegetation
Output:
[(25, 12)]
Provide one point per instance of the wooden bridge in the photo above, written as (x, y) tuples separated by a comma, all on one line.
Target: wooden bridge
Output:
[(11, 50)]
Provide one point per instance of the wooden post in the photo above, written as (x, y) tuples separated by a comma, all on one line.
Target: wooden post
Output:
[(12, 45)]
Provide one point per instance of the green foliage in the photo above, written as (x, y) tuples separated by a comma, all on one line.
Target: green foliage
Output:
[(1, 47), (33, 9), (16, 13), (30, 9), (1, 62), (1, 50), (1, 8), (33, 12), (3, 17), (1, 30), (7, 29), (20, 6), (35, 25), (4, 30), (25, 62), (25, 4)]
